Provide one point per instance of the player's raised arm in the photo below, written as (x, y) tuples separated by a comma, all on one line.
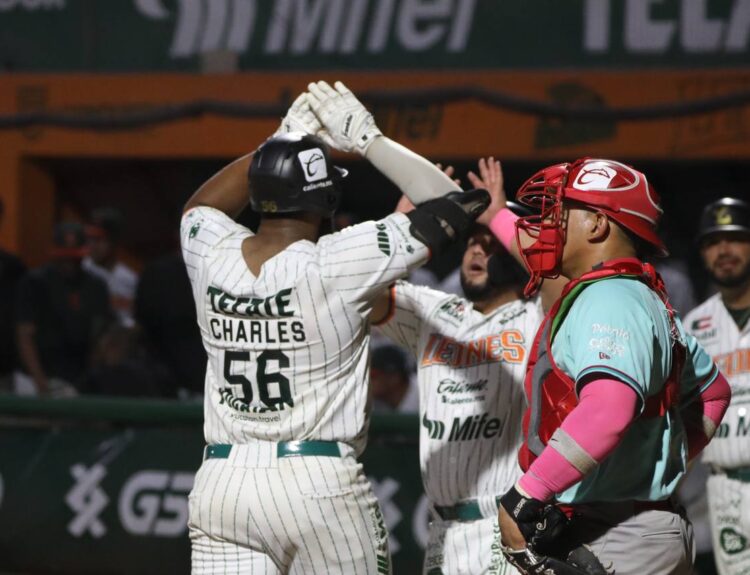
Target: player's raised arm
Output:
[(350, 127), (501, 220), (227, 190)]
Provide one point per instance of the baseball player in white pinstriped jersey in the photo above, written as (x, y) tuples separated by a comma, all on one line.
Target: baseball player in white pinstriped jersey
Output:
[(284, 320), (721, 326), (471, 359)]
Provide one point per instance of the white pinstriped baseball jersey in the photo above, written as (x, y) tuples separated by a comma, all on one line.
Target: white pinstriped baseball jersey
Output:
[(471, 368), (288, 350), (718, 333)]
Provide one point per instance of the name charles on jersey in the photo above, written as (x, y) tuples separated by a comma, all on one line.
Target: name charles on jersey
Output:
[(250, 323)]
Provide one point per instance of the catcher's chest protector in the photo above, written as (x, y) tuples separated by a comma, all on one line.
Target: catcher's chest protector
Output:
[(551, 392)]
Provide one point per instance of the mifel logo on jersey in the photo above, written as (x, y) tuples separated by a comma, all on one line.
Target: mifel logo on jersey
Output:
[(469, 428), (506, 346)]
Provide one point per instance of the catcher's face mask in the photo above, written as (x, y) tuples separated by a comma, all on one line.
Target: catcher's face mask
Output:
[(543, 193)]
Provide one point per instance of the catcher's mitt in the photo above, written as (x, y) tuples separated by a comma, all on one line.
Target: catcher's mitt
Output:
[(580, 561), (546, 552)]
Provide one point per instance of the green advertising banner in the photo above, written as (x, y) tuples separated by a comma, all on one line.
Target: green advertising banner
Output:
[(86, 489), (231, 35)]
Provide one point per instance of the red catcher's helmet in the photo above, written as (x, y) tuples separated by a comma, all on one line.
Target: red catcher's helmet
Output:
[(615, 189)]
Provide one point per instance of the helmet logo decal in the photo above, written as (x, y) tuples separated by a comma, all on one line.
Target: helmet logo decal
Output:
[(313, 164), (723, 216), (594, 176)]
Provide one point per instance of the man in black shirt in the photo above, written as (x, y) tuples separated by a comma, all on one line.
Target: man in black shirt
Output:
[(60, 310), (165, 309), (11, 271)]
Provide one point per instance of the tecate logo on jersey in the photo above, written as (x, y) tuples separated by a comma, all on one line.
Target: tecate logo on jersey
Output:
[(271, 325), (472, 427)]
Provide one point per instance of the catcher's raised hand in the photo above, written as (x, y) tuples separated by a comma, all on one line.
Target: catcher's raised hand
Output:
[(347, 122), (300, 118)]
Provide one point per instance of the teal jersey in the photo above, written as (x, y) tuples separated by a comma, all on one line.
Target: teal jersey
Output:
[(620, 328)]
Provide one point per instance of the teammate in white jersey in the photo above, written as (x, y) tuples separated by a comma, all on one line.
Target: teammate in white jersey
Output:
[(471, 359), (721, 324), (284, 317)]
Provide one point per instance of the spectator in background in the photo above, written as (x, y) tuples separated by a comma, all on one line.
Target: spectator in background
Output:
[(121, 366), (104, 235), (60, 311), (391, 385), (164, 308), (11, 271)]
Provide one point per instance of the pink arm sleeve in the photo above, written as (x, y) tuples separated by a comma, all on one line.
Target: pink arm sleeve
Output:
[(712, 405), (605, 410), (503, 226)]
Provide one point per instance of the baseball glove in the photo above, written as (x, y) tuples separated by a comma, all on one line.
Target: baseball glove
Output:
[(546, 552), (580, 561), (300, 118), (347, 125)]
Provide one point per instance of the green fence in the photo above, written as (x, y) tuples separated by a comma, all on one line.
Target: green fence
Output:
[(91, 485)]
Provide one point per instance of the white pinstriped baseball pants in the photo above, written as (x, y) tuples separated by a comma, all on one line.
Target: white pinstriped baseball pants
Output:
[(252, 513), (465, 548)]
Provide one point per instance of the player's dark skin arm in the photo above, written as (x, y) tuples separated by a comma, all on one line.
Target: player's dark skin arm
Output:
[(381, 307), (226, 190)]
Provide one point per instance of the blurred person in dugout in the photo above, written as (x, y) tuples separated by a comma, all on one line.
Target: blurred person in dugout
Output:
[(11, 271), (392, 388), (60, 311), (165, 311), (104, 234)]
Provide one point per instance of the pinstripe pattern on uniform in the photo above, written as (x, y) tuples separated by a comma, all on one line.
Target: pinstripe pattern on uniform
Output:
[(728, 499), (471, 400), (466, 548), (330, 298), (470, 372), (729, 347), (305, 514), (301, 324)]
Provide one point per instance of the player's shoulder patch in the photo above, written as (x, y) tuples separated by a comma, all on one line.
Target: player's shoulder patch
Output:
[(452, 310)]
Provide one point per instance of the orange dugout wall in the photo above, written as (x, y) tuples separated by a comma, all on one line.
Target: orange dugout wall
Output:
[(464, 129)]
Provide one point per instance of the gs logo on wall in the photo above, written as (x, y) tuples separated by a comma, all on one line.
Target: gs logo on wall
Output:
[(154, 502), (151, 502)]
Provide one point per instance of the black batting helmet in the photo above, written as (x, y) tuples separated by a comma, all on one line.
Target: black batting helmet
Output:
[(725, 215), (293, 173)]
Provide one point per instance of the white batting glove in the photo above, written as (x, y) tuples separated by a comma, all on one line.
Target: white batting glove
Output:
[(300, 118), (348, 123)]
